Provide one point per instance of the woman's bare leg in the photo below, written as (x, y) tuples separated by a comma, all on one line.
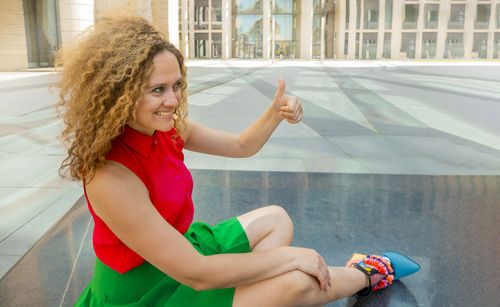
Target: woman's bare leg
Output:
[(267, 227), (299, 289)]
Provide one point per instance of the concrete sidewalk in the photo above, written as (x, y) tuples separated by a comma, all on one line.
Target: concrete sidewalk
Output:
[(423, 118)]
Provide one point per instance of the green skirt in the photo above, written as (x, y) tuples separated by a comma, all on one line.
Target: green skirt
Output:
[(145, 285)]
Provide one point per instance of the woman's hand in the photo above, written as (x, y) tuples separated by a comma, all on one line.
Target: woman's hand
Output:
[(289, 107), (310, 262)]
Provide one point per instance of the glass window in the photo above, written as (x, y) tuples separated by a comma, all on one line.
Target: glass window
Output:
[(247, 28), (408, 44), (388, 14), (387, 45), (42, 31), (284, 6), (496, 46), (371, 14), (201, 45), (369, 51), (216, 45), (498, 16), (316, 39), (201, 15), (346, 43), (358, 14), (457, 16), (284, 36), (285, 24), (429, 45), (482, 16), (431, 15), (347, 13), (479, 45), (216, 22), (251, 7), (411, 16), (454, 46), (247, 36), (356, 50)]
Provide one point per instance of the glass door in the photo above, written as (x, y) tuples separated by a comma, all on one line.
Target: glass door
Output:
[(42, 31)]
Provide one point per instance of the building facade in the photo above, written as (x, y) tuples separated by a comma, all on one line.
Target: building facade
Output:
[(341, 29), (31, 30)]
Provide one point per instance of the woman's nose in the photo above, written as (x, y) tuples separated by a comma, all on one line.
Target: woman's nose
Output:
[(170, 99)]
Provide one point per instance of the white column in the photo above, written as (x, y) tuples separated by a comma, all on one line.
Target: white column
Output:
[(185, 36), (351, 45), (361, 30), (397, 24), (470, 17), (209, 47), (75, 17), (173, 22), (339, 44), (13, 48), (266, 17), (191, 28), (227, 29), (420, 27), (444, 16), (306, 18), (491, 30), (322, 46), (381, 29)]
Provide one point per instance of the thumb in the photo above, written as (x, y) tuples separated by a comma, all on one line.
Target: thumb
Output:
[(281, 88)]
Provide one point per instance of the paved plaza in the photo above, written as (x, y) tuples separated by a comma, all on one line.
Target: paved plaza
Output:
[(407, 125)]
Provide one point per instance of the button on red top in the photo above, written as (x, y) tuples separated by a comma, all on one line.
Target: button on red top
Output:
[(171, 197)]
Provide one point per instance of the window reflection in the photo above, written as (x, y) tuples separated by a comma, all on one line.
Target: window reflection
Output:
[(496, 46), (216, 15), (248, 36), (454, 46), (369, 51), (431, 15), (411, 16), (479, 47), (408, 44), (201, 15), (200, 45), (371, 14), (388, 14), (482, 16), (429, 45), (457, 16), (387, 46), (283, 28), (42, 31)]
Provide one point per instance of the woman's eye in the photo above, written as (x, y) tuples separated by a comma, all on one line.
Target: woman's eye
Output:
[(177, 86), (158, 90)]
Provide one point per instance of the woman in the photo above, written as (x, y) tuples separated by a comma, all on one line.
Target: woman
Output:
[(123, 95)]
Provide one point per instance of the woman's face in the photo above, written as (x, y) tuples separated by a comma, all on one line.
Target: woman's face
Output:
[(162, 94)]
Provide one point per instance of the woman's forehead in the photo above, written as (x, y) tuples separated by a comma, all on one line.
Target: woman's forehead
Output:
[(165, 66)]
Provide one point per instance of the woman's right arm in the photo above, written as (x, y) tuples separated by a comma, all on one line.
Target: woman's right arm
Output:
[(121, 200)]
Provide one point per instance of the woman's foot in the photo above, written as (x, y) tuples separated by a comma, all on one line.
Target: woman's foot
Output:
[(378, 269)]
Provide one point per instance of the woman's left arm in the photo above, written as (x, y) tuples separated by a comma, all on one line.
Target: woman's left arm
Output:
[(206, 140)]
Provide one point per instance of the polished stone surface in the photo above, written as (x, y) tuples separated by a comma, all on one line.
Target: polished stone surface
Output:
[(448, 224), (360, 117)]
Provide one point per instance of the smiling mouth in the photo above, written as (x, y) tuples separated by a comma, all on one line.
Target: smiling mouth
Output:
[(164, 113)]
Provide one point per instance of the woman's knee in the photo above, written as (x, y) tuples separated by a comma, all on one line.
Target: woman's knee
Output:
[(300, 288), (282, 221)]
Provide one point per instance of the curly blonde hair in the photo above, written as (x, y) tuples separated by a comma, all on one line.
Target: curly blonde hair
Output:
[(103, 79)]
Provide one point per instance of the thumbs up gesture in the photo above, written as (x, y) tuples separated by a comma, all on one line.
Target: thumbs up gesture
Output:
[(289, 107)]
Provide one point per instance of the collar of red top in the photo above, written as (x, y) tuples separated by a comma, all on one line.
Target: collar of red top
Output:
[(138, 141)]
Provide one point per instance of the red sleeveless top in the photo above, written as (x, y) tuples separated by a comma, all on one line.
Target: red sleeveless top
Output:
[(159, 162)]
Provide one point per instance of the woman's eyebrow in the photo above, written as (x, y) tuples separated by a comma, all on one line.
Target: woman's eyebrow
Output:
[(163, 84)]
